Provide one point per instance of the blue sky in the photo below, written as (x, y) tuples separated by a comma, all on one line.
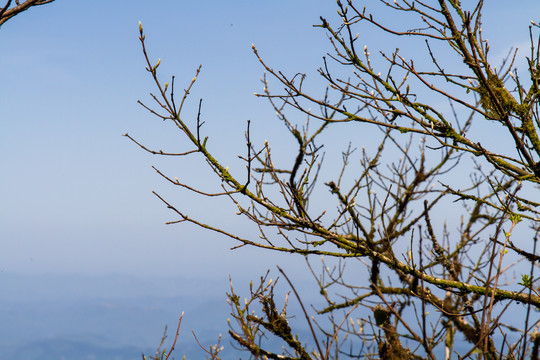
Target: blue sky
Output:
[(76, 195)]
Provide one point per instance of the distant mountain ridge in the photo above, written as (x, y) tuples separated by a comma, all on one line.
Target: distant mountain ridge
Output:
[(69, 349), (118, 317), (64, 317)]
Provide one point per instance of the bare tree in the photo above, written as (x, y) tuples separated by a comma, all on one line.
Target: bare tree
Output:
[(9, 11), (432, 223)]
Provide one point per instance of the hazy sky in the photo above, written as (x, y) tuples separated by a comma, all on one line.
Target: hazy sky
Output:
[(76, 195)]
